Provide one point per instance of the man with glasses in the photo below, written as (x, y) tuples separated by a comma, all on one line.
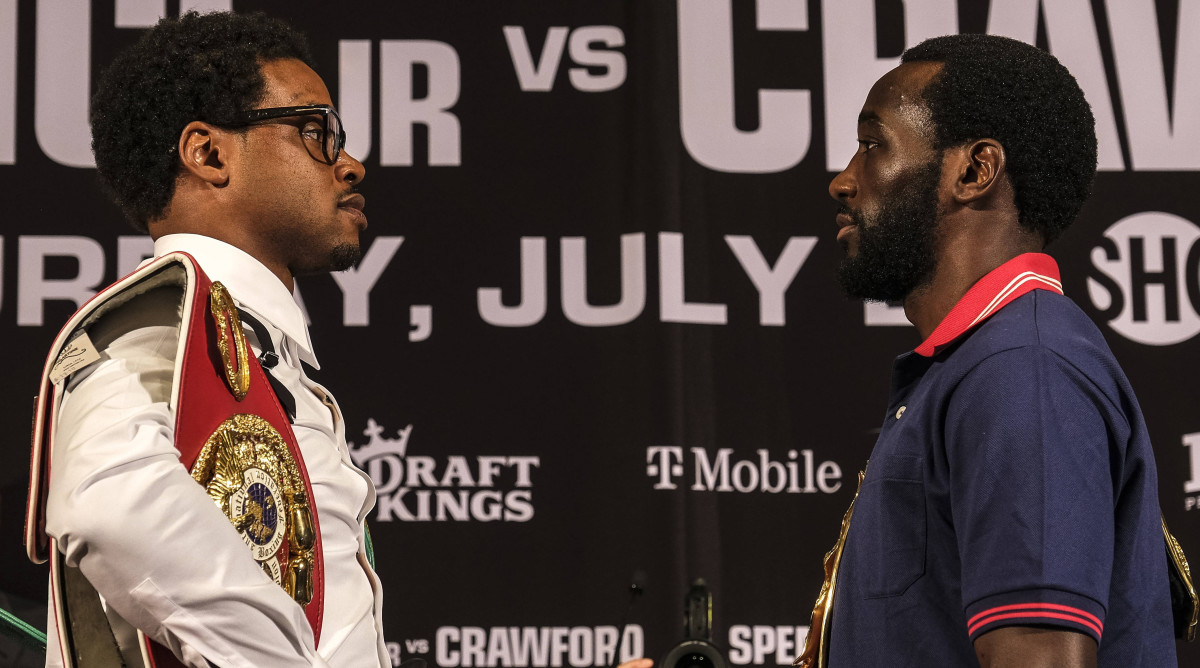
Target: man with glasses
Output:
[(214, 135)]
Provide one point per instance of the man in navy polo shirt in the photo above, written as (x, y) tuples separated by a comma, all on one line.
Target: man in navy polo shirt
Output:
[(1009, 514)]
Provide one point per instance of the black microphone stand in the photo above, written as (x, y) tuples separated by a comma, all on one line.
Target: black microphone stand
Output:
[(634, 592)]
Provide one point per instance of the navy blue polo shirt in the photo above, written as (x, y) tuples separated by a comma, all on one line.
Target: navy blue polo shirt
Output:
[(1013, 483)]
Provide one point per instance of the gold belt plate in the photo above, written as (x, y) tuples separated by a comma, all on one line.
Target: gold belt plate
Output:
[(249, 472)]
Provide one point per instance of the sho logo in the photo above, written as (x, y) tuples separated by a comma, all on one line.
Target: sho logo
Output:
[(1192, 487), (416, 488), (720, 473), (1147, 278)]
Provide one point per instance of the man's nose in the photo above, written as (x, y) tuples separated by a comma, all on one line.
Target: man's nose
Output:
[(348, 168), (843, 186)]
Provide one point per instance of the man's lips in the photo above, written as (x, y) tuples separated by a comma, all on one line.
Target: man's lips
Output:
[(354, 204), (845, 223)]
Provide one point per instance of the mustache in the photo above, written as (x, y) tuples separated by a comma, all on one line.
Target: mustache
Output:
[(350, 192), (844, 208)]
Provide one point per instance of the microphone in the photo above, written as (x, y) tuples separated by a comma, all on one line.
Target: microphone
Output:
[(697, 649), (637, 587)]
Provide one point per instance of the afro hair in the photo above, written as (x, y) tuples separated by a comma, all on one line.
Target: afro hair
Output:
[(1000, 88), (202, 67)]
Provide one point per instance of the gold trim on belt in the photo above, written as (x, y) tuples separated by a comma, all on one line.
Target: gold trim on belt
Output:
[(1178, 570), (816, 643), (236, 362)]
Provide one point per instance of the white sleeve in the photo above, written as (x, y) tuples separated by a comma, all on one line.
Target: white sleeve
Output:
[(145, 534)]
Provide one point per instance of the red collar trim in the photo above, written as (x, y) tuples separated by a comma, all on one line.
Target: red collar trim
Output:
[(1022, 274)]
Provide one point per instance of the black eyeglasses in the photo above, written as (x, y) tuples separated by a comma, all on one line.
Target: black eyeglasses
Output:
[(332, 139)]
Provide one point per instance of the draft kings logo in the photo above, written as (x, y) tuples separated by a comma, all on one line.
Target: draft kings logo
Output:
[(446, 488)]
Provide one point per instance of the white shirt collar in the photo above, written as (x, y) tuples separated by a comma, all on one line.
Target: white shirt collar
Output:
[(249, 282)]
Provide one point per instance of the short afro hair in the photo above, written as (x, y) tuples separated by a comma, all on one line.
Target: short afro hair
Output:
[(199, 67), (1000, 88)]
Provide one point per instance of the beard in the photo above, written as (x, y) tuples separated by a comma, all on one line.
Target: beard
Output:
[(896, 247), (344, 256), (340, 257)]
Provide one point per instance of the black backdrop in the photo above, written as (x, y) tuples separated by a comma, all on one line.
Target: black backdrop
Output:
[(597, 331)]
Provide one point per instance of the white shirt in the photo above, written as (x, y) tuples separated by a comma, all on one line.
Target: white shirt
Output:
[(150, 540)]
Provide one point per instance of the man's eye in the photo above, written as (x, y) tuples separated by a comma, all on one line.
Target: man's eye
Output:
[(313, 132), (867, 144)]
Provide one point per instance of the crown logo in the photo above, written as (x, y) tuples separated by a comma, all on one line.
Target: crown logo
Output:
[(377, 445)]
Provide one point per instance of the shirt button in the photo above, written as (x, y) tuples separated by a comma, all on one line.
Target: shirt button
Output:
[(900, 411)]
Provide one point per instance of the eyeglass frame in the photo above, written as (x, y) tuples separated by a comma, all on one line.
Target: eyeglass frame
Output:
[(325, 111)]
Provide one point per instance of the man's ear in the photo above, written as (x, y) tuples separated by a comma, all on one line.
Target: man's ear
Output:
[(981, 166), (204, 151)]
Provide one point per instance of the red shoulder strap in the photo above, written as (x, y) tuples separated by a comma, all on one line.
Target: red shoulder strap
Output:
[(206, 400)]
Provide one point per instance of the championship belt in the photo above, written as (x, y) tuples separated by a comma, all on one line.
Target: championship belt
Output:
[(233, 437), (816, 643), (1185, 604)]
